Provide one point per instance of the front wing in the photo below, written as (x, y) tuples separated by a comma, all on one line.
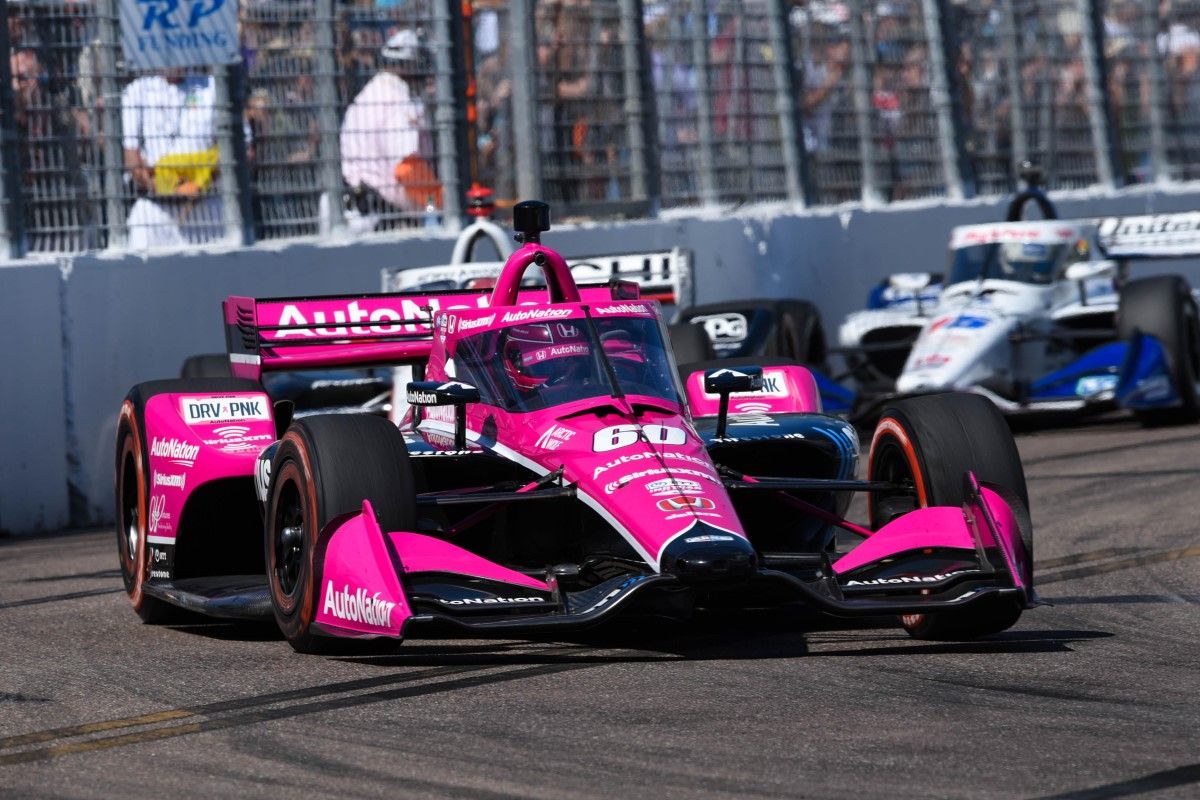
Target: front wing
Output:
[(380, 584)]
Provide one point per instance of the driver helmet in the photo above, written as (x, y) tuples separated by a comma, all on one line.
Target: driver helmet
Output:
[(535, 354), (623, 352)]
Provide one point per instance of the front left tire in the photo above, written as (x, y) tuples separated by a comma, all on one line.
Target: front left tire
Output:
[(324, 468)]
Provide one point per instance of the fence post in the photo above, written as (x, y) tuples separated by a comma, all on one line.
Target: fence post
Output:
[(329, 145), (950, 136), (114, 155), (12, 217), (705, 158), (525, 101), (233, 177), (1012, 64), (1095, 76), (790, 126), (448, 118), (1157, 94), (639, 106), (860, 81)]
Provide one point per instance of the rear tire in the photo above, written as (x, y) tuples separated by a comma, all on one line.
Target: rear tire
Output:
[(690, 343), (932, 441), (1162, 306), (325, 467), (207, 365), (132, 485)]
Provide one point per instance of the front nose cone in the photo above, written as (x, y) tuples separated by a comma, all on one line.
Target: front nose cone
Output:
[(705, 555)]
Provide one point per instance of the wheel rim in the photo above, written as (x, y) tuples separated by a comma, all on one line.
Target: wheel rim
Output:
[(288, 539), (890, 463), (130, 528)]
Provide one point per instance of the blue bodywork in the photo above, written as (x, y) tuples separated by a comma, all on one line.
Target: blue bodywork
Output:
[(1135, 373)]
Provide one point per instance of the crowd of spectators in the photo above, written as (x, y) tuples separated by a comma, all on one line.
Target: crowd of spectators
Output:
[(1016, 69)]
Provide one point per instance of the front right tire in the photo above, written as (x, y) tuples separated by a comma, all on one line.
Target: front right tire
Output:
[(1162, 306)]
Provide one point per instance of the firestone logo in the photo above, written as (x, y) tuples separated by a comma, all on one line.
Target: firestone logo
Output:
[(358, 606), (176, 451)]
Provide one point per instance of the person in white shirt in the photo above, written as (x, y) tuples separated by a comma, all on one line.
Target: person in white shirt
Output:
[(381, 133), (169, 115)]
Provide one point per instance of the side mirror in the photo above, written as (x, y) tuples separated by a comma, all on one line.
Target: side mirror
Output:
[(726, 381), (1083, 270), (448, 393)]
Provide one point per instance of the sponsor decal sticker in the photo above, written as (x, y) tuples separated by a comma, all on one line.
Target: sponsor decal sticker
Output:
[(685, 501), (672, 486), (668, 454), (175, 451), (613, 486), (237, 438), (730, 328), (623, 308), (536, 314), (472, 324), (357, 606), (909, 579), (554, 437), (774, 385), (709, 537), (491, 601), (175, 481), (1095, 384), (204, 410), (159, 514)]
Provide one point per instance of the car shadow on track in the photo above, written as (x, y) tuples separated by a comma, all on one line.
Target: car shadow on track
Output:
[(749, 636)]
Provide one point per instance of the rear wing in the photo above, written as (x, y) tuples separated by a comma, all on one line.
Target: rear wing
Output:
[(288, 333), (665, 276), (1150, 236)]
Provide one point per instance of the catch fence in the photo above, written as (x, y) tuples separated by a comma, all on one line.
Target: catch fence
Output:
[(347, 117)]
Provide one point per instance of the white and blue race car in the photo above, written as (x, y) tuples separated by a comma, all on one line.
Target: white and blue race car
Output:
[(1031, 319)]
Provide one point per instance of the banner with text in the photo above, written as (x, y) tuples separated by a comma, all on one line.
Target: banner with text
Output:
[(158, 34)]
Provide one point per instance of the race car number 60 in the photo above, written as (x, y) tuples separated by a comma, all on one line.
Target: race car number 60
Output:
[(617, 436)]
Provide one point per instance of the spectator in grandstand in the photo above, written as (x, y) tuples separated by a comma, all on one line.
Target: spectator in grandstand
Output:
[(382, 158), (57, 214), (171, 158)]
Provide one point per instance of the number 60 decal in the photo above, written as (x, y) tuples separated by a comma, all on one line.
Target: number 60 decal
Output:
[(617, 436)]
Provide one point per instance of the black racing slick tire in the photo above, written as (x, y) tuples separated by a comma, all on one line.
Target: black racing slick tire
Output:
[(132, 485), (1163, 307), (326, 465), (690, 343), (931, 442), (205, 365)]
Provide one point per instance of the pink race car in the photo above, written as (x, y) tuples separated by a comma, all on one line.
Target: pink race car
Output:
[(550, 472)]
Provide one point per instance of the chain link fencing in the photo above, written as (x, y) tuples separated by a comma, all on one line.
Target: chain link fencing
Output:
[(346, 117)]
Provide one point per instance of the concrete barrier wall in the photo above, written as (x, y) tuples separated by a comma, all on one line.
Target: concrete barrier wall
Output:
[(33, 443), (85, 334)]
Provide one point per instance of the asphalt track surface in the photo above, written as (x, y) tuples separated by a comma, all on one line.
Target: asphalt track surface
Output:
[(1096, 696)]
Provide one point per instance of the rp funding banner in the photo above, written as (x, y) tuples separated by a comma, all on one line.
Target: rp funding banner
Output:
[(157, 34)]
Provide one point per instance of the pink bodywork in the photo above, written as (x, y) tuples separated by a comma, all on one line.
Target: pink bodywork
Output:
[(636, 460), (196, 438), (786, 389)]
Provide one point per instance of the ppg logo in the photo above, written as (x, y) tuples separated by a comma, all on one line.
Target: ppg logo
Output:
[(730, 327)]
